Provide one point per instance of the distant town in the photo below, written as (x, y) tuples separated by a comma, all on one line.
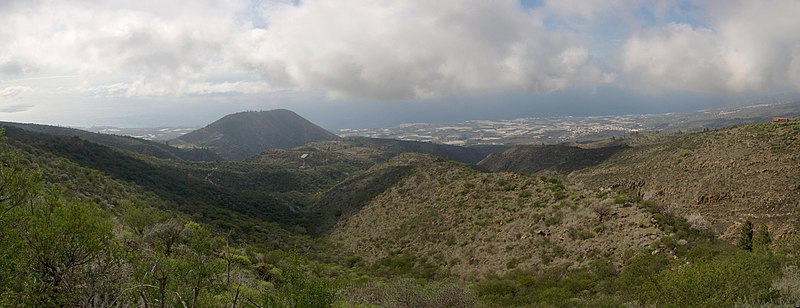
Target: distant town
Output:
[(550, 130), (517, 131), (154, 133)]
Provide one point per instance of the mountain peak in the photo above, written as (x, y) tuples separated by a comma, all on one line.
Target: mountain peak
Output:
[(240, 135)]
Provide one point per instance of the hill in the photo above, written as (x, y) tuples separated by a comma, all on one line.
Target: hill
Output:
[(135, 145), (245, 134), (460, 221), (74, 236), (717, 178), (383, 214), (523, 240), (365, 151), (559, 158), (230, 195)]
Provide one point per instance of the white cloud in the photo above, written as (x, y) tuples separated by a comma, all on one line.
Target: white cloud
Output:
[(165, 42), (359, 48), (142, 87), (11, 92), (388, 49), (417, 48), (747, 46)]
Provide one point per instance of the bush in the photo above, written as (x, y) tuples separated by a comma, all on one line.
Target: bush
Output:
[(762, 240), (718, 283), (552, 220)]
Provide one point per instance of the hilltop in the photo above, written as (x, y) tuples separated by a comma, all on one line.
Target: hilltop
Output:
[(241, 135)]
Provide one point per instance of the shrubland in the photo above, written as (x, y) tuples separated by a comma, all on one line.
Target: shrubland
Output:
[(352, 226)]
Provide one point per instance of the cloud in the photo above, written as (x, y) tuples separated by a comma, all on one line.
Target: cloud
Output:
[(142, 87), (15, 108), (14, 91), (416, 48), (170, 43), (9, 93), (746, 46), (390, 50), (11, 67)]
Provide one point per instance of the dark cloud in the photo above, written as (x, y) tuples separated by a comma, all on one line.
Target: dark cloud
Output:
[(12, 68)]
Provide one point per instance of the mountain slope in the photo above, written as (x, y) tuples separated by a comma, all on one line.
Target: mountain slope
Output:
[(365, 152), (349, 196), (471, 224), (468, 155), (245, 134), (557, 158), (716, 178), (219, 191), (141, 146)]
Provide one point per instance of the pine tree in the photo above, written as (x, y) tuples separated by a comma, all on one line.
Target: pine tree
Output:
[(762, 240), (746, 236)]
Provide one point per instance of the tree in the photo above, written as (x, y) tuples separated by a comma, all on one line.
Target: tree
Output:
[(138, 217), (62, 239), (18, 184), (762, 240), (166, 235), (746, 236)]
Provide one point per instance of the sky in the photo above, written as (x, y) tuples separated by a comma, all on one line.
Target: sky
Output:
[(373, 63)]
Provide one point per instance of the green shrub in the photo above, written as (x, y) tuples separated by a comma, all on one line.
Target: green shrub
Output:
[(762, 240), (746, 236), (620, 199), (512, 264), (552, 220), (717, 283)]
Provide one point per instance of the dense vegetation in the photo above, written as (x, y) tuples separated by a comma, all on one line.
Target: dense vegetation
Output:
[(59, 250)]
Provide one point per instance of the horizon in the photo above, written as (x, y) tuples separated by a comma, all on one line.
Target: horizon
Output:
[(773, 100), (359, 64)]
